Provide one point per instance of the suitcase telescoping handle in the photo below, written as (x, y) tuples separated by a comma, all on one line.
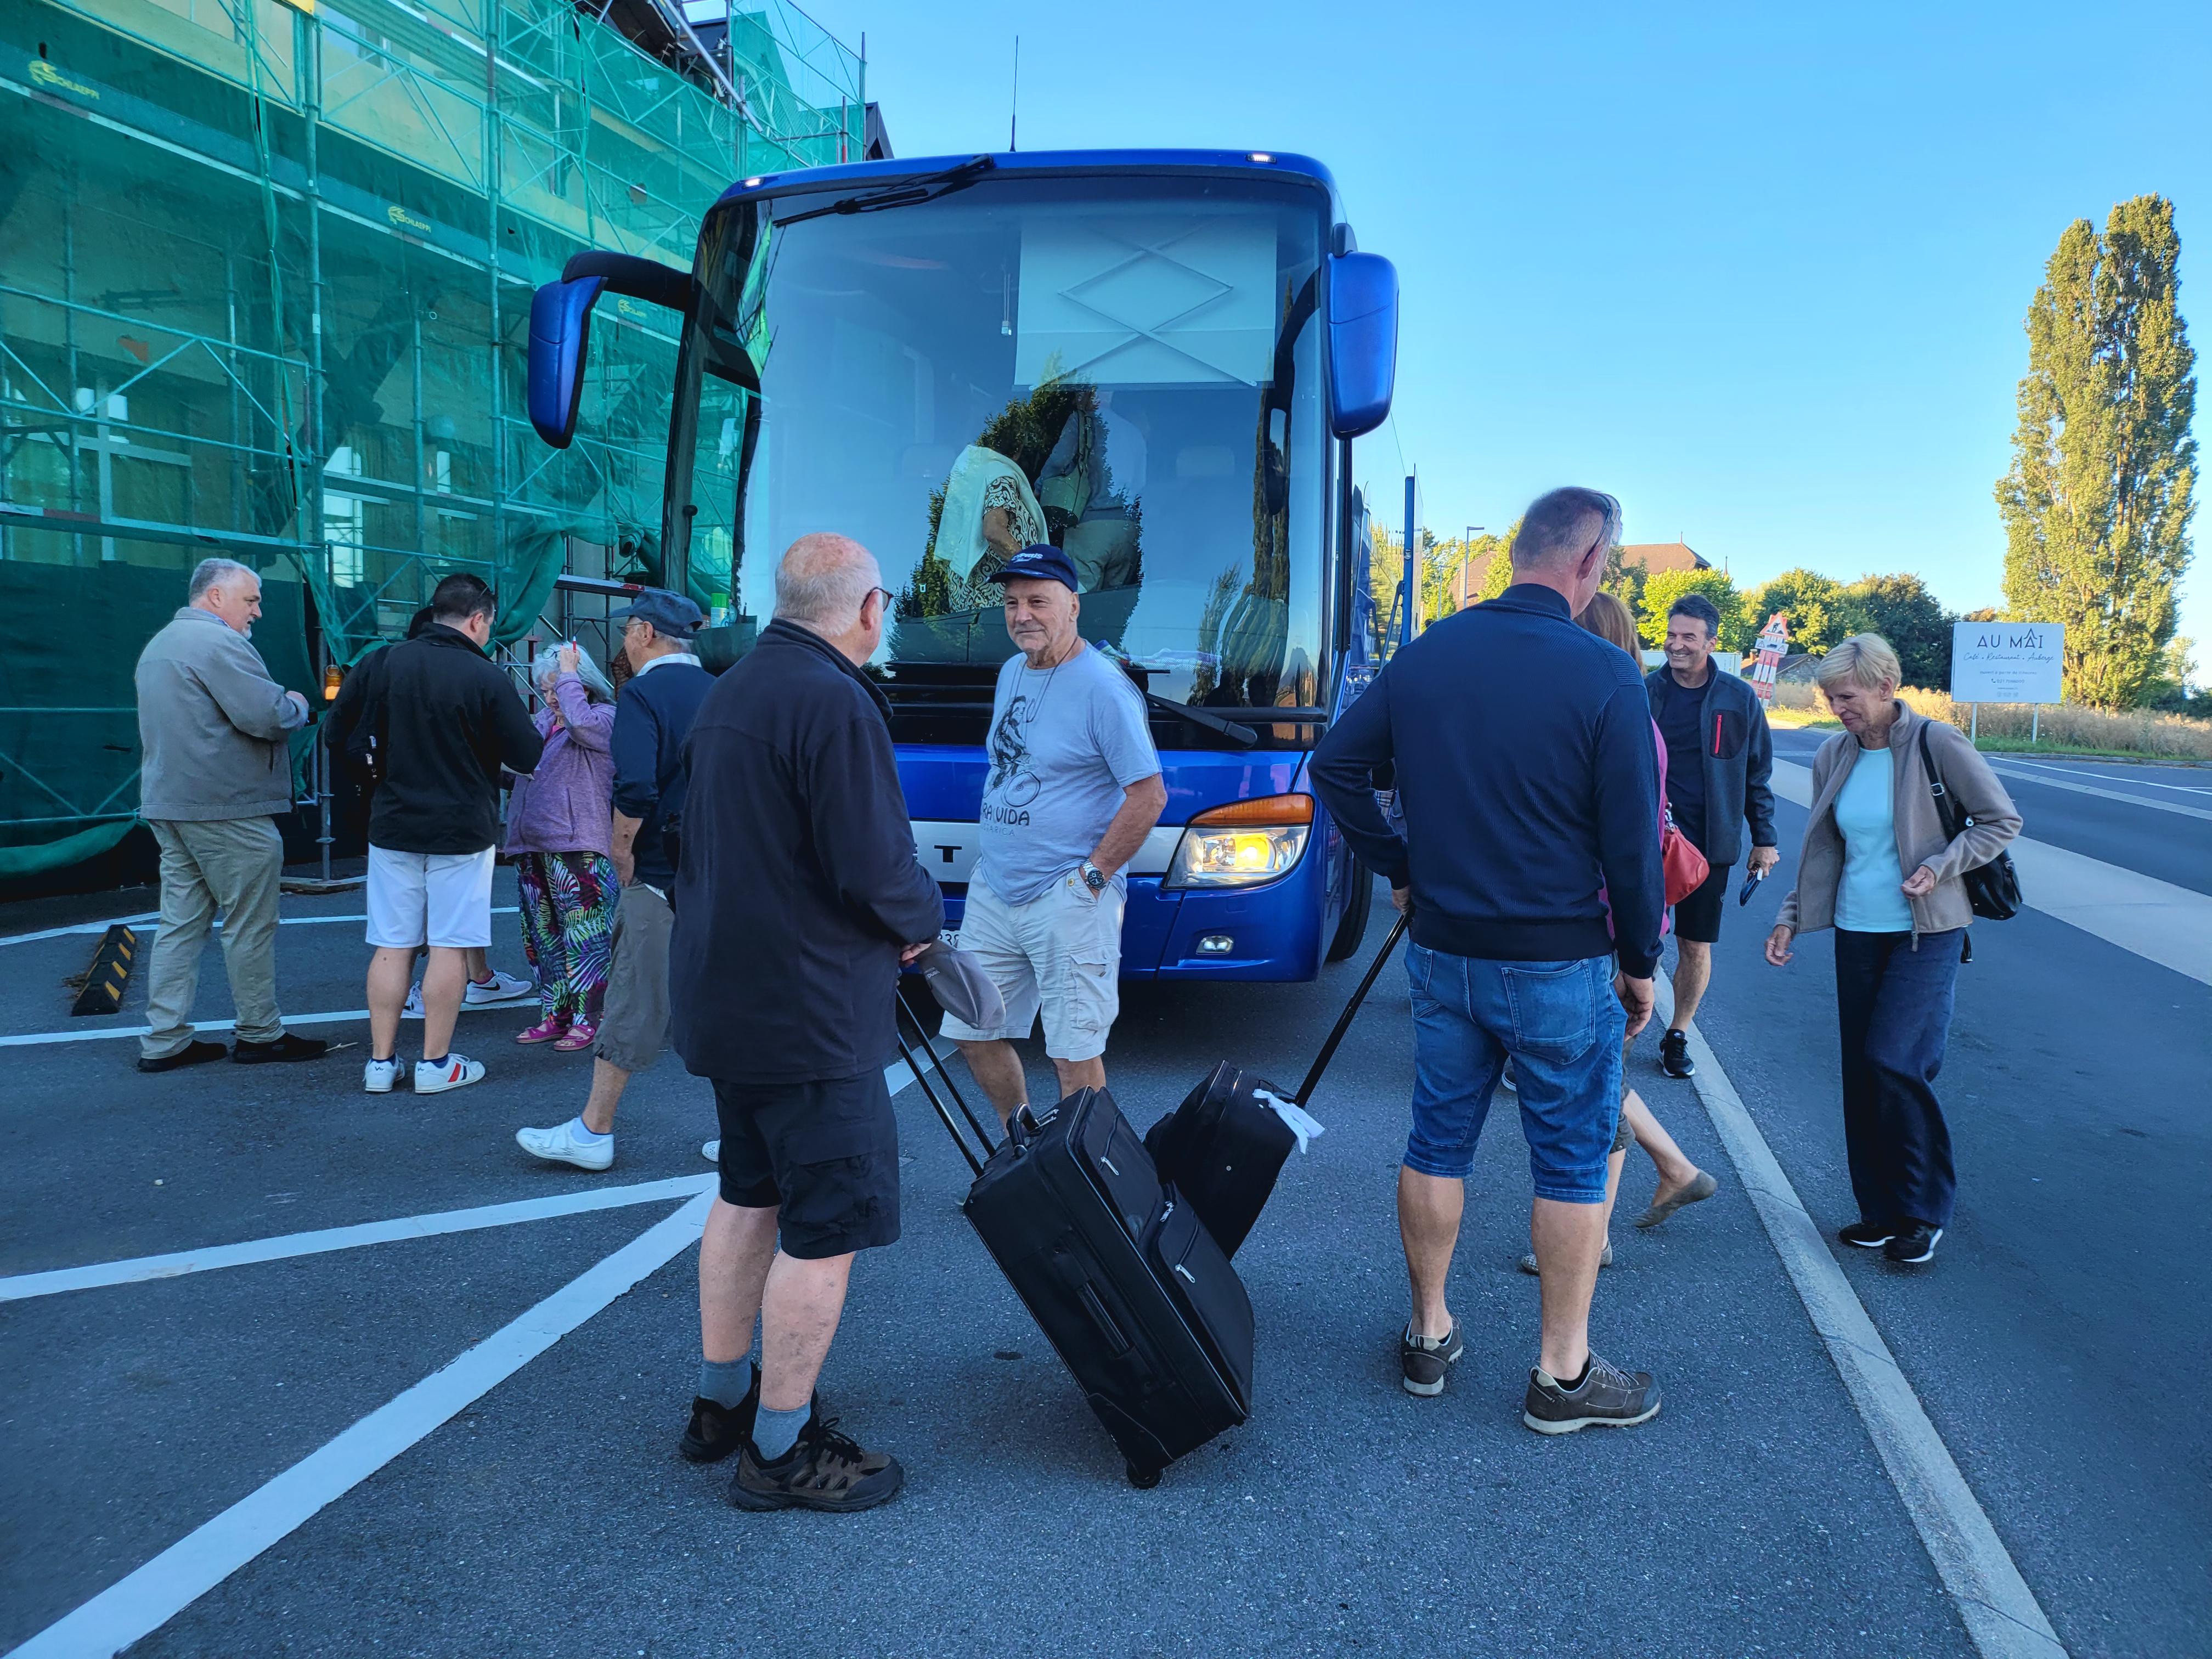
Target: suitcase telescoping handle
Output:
[(916, 1065), (1344, 1020)]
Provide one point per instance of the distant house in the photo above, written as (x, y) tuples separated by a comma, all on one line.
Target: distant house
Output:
[(1651, 556), (1797, 668)]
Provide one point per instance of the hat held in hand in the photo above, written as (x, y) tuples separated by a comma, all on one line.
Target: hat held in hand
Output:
[(961, 986)]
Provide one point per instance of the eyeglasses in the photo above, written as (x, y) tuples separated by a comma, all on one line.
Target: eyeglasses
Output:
[(890, 597)]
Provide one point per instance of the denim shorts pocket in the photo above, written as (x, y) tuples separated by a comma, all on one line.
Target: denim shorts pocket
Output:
[(1553, 1009)]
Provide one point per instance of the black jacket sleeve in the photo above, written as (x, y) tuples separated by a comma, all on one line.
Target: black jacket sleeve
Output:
[(1628, 829), (519, 742), (1343, 772), (858, 815), (1758, 775)]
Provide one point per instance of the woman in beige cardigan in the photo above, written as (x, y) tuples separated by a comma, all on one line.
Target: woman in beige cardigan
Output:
[(1898, 937)]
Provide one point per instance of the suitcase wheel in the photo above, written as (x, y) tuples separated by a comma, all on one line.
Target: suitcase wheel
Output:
[(1143, 1480)]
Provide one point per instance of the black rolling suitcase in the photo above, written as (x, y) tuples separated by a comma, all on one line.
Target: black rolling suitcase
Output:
[(1120, 1274), (1223, 1147)]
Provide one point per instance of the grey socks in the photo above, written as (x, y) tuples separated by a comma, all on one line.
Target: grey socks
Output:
[(726, 1381), (777, 1432)]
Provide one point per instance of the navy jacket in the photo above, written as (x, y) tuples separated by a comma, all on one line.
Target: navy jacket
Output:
[(445, 720), (1737, 749), (652, 717), (1524, 766), (799, 881)]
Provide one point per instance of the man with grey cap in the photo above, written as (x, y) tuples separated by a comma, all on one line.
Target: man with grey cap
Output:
[(653, 718)]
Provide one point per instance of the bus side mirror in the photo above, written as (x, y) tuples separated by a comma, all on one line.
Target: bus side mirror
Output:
[(560, 330), (1363, 342)]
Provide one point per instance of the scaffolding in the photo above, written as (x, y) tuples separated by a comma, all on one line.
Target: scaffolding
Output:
[(266, 294)]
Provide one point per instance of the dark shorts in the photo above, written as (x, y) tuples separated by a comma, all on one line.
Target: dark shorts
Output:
[(824, 1156), (1698, 916)]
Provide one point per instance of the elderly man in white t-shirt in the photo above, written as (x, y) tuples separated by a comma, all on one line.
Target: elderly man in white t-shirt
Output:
[(1074, 789)]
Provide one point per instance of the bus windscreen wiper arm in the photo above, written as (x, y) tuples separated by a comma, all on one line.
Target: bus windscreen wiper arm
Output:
[(928, 188), (1242, 734)]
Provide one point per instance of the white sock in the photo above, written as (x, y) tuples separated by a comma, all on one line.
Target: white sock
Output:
[(582, 1130)]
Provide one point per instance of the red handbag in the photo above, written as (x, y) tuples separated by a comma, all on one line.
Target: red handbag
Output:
[(1682, 865)]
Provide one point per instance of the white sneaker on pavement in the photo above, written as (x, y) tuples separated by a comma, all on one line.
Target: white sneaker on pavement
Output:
[(454, 1072), (503, 988), (712, 1152), (412, 1008), (378, 1075), (561, 1145)]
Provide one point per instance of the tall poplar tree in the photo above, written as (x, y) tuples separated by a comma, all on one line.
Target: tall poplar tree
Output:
[(2096, 505)]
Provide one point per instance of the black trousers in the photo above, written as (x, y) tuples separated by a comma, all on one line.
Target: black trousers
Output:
[(1893, 1010)]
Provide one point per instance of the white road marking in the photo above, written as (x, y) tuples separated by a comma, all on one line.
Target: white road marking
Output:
[(2109, 777), (2154, 920), (1999, 1612), (138, 1269), (2041, 781), (144, 1601), (156, 915), (26, 1039)]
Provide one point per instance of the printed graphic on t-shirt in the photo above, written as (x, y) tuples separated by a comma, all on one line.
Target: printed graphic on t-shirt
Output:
[(1012, 785)]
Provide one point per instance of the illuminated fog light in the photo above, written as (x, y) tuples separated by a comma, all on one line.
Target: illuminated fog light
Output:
[(1216, 944)]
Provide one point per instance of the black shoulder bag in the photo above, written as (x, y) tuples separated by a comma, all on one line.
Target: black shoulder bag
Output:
[(1992, 888)]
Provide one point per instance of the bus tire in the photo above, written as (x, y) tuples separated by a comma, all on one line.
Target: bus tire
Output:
[(1352, 926)]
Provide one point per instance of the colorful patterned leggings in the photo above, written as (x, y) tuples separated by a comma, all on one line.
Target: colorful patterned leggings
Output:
[(568, 924)]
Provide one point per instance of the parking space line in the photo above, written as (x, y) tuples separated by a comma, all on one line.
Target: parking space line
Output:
[(2001, 1614), (138, 1269), (26, 1039), (142, 1601), (156, 915)]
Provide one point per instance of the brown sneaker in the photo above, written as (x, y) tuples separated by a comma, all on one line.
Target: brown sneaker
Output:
[(1609, 1395), (716, 1429), (825, 1470)]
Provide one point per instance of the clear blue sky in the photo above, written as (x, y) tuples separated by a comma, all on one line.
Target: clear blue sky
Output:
[(1760, 274)]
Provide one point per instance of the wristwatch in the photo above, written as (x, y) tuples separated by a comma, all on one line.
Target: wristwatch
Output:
[(1093, 876)]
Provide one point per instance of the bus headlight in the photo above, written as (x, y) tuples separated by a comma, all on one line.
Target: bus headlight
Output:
[(1243, 843)]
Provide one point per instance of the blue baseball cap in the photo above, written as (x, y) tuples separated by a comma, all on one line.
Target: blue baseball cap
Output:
[(669, 613), (1040, 562)]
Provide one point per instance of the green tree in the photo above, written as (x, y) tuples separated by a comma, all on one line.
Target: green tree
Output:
[(1662, 587), (1821, 614), (2096, 504), (1902, 611)]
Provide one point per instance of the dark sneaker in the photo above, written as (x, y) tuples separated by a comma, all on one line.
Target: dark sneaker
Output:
[(825, 1471), (1609, 1397), (286, 1046), (1424, 1360), (1915, 1243), (716, 1429), (1867, 1235), (193, 1053), (1674, 1055)]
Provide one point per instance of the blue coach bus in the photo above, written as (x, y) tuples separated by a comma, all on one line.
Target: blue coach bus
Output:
[(1156, 361)]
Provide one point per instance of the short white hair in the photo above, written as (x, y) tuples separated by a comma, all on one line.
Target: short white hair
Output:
[(1864, 660), (823, 580), (216, 573)]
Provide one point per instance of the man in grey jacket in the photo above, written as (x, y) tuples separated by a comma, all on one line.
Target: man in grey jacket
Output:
[(217, 771)]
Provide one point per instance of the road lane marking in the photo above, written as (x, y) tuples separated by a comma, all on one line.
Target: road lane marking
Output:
[(2001, 1614), (2041, 781), (156, 915), (2109, 777), (144, 1601), (138, 1269), (2152, 919), (26, 1039)]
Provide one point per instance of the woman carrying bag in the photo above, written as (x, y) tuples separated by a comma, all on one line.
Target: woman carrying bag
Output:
[(1880, 867)]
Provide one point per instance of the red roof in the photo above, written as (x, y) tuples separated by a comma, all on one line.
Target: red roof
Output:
[(1664, 556)]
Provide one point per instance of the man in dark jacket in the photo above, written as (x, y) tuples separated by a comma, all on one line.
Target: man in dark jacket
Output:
[(444, 722), (1524, 762), (798, 896), (1719, 756)]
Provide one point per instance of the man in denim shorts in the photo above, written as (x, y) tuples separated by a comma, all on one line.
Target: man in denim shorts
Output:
[(1525, 771)]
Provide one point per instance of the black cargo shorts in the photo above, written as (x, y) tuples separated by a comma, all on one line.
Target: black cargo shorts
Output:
[(824, 1156)]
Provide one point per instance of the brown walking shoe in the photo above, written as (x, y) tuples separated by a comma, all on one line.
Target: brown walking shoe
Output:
[(825, 1470)]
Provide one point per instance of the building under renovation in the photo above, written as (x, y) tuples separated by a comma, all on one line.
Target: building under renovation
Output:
[(265, 268)]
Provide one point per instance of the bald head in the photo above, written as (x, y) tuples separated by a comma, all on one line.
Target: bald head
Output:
[(823, 581)]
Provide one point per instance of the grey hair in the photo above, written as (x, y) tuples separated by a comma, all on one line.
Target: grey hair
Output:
[(1864, 660), (547, 663), (215, 572), (823, 580), (1556, 528)]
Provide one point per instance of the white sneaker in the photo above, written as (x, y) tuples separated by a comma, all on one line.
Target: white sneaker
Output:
[(712, 1152), (454, 1072), (378, 1075), (412, 1008), (561, 1145), (503, 988)]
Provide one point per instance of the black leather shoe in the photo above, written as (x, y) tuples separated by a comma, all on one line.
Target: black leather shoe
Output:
[(286, 1047), (716, 1429), (195, 1053), (1914, 1244)]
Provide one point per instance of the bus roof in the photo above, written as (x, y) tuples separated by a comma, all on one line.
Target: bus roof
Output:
[(1046, 162)]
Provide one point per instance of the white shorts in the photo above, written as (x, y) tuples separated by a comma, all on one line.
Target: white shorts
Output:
[(1059, 954), (429, 898)]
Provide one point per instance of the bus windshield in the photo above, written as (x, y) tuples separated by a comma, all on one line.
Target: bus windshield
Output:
[(1124, 366)]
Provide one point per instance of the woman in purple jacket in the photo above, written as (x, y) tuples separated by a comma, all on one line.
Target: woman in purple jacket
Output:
[(559, 829)]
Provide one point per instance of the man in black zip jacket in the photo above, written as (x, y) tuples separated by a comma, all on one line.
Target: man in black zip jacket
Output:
[(1529, 782), (797, 897), (1719, 756)]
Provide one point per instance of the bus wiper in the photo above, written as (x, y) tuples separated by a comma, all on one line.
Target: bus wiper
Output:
[(928, 188), (1241, 734)]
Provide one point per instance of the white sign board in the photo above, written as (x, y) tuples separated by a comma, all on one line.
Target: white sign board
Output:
[(2006, 662)]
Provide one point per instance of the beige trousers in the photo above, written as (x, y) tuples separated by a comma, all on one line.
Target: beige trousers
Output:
[(230, 865)]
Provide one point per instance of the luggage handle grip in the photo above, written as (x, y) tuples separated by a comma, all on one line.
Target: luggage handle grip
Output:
[(1104, 1321), (1344, 1020)]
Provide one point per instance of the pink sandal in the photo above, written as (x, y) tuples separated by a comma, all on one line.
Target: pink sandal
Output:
[(546, 1030), (580, 1036)]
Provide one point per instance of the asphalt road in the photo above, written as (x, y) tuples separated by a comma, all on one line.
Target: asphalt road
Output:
[(2059, 1347)]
